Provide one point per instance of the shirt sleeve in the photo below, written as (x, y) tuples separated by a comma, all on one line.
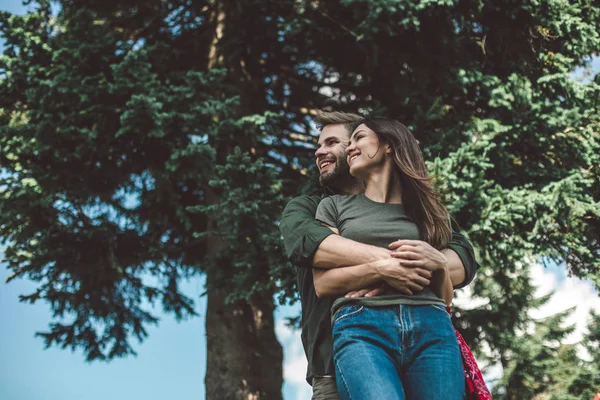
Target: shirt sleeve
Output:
[(302, 234), (461, 245), (327, 212)]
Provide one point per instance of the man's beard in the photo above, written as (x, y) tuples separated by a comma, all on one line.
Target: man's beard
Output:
[(337, 177)]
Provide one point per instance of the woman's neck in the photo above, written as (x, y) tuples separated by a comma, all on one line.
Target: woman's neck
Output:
[(384, 186)]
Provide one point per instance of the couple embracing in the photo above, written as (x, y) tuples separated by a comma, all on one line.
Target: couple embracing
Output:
[(377, 261)]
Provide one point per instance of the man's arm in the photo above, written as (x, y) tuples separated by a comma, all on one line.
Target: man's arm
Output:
[(463, 250), (456, 268), (302, 234), (339, 281), (308, 243), (337, 251)]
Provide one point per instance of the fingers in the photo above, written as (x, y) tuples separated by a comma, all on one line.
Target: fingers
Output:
[(423, 272), (396, 287), (421, 281), (375, 292), (357, 293), (411, 281), (403, 287), (407, 287), (398, 243), (409, 255), (413, 263), (408, 249), (415, 287), (368, 292)]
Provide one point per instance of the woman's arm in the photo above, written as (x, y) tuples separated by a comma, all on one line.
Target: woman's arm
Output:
[(339, 281)]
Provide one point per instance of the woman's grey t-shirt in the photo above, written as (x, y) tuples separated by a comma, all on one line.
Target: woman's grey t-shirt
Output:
[(366, 221)]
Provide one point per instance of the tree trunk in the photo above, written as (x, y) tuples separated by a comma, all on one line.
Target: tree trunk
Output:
[(244, 358)]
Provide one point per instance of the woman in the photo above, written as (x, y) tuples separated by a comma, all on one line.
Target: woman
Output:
[(393, 346)]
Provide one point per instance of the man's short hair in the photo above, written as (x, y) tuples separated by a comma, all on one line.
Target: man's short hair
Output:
[(349, 120)]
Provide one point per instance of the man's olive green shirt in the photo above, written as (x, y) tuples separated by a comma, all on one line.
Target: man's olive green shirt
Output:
[(302, 235)]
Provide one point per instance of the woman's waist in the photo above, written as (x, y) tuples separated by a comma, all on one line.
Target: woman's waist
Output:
[(424, 297)]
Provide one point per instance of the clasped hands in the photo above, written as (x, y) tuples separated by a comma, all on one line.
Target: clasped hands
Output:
[(408, 270)]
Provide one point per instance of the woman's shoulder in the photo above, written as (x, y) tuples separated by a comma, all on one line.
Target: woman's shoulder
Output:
[(341, 199)]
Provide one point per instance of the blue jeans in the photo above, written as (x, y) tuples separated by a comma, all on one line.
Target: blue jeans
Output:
[(397, 352)]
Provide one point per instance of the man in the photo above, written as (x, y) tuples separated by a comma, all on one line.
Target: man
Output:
[(361, 269)]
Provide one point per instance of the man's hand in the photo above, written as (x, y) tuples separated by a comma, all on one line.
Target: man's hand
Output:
[(417, 253), (405, 279)]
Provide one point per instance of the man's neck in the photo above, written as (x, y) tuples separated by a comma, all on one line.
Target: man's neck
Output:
[(354, 189), (348, 186)]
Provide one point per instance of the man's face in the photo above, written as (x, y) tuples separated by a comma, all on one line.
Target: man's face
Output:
[(331, 153)]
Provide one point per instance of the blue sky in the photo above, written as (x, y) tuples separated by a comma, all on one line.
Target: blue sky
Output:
[(171, 363)]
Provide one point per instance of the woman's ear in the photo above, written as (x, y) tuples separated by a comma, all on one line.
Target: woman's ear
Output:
[(388, 149)]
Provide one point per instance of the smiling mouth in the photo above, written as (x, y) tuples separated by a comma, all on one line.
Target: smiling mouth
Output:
[(324, 164), (354, 157)]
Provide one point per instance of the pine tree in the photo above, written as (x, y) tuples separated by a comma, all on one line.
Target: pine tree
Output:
[(580, 379), (538, 361), (128, 150), (161, 138)]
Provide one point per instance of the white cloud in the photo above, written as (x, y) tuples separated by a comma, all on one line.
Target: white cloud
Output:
[(464, 299), (294, 370), (294, 363), (569, 292)]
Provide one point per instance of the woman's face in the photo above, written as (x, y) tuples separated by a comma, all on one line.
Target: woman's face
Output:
[(365, 152)]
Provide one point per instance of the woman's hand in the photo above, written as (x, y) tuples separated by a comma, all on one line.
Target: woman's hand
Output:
[(405, 279), (420, 254), (395, 277), (417, 253)]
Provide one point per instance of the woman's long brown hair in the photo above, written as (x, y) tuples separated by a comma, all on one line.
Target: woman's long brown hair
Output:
[(421, 201)]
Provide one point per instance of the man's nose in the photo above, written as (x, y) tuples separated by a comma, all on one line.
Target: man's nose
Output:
[(320, 152)]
